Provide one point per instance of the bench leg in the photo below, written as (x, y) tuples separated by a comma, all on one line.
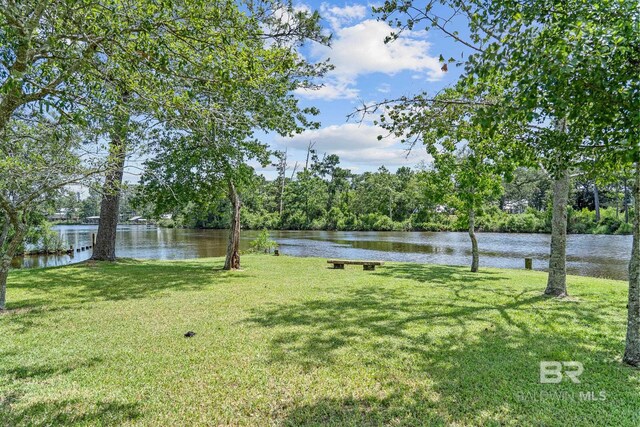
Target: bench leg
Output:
[(338, 266), (369, 267)]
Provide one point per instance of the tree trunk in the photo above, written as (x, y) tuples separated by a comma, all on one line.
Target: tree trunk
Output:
[(281, 196), (5, 262), (283, 177), (632, 347), (617, 200), (475, 261), (105, 247), (596, 201), (232, 262), (626, 202), (557, 281)]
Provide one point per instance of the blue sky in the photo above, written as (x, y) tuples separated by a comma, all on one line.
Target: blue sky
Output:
[(366, 70)]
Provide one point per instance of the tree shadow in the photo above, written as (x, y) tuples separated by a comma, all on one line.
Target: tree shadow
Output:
[(66, 412), (371, 411), (62, 287), (76, 287), (40, 372), (452, 348), (438, 274), (19, 408)]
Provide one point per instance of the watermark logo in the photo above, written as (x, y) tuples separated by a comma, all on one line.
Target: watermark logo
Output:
[(551, 372)]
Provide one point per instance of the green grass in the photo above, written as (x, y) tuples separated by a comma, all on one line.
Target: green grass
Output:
[(288, 341)]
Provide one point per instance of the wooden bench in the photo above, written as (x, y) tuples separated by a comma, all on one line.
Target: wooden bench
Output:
[(366, 265)]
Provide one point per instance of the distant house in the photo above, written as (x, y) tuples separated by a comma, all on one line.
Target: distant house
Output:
[(92, 219), (64, 214), (516, 206), (58, 216), (137, 220)]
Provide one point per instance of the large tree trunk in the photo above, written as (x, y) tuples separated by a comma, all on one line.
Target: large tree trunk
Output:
[(5, 260), (475, 257), (105, 248), (632, 349), (557, 281), (232, 262), (596, 201)]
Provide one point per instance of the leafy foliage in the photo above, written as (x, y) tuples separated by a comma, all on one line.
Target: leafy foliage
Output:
[(263, 243)]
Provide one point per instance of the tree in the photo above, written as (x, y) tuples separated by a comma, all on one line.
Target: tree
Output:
[(528, 185), (38, 159), (477, 182), (376, 192), (205, 146), (517, 62), (232, 260), (202, 168), (306, 199), (281, 167), (190, 54), (467, 159), (543, 53), (47, 50), (105, 245)]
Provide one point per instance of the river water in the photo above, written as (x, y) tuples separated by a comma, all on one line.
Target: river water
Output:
[(587, 255)]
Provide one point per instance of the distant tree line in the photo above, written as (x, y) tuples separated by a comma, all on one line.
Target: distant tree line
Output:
[(324, 196)]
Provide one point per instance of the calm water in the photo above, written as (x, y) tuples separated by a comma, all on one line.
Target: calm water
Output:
[(588, 255)]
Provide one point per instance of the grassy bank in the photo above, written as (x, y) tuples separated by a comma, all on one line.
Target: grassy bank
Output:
[(288, 341)]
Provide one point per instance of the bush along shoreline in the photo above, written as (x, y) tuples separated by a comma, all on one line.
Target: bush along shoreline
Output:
[(492, 220)]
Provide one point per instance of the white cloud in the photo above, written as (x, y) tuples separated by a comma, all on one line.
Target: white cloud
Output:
[(356, 144), (384, 88), (340, 16), (347, 136), (330, 90), (389, 158), (359, 50)]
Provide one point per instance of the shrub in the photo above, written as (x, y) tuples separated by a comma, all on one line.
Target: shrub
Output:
[(43, 239), (433, 226), (166, 223), (318, 224), (624, 229), (349, 222), (383, 223), (607, 225), (263, 243), (522, 223), (402, 225)]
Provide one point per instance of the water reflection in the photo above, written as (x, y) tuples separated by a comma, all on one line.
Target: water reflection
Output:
[(589, 255)]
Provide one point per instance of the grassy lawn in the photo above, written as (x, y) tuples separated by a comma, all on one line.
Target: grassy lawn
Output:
[(288, 341)]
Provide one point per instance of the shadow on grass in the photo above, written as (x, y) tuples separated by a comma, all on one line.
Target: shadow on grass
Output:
[(41, 372), (390, 410), (17, 408), (65, 412), (453, 348), (438, 274), (123, 280)]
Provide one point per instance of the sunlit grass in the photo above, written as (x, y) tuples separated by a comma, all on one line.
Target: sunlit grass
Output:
[(290, 341)]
